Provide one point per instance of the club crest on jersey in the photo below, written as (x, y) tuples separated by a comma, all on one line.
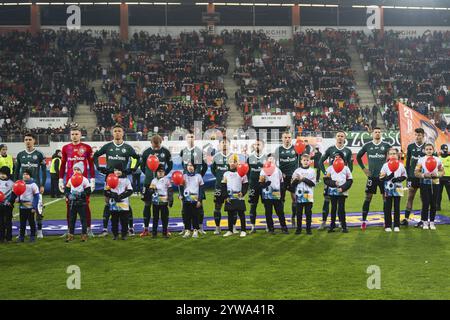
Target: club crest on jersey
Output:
[(34, 157), (124, 150), (81, 151)]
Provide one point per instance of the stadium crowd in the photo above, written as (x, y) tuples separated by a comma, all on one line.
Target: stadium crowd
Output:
[(166, 83), (159, 83), (414, 70), (314, 82), (44, 75)]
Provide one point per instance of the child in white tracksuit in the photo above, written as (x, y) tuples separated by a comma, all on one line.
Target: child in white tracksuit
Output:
[(303, 182), (6, 205), (429, 186), (338, 183), (77, 201), (162, 199), (29, 201), (119, 203), (234, 188), (393, 191), (271, 197), (191, 195)]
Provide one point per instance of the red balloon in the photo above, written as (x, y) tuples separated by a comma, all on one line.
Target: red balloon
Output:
[(242, 169), (19, 187), (338, 165), (430, 164), (112, 181), (153, 163), (269, 168), (177, 178), (76, 180), (2, 196), (299, 146), (393, 164)]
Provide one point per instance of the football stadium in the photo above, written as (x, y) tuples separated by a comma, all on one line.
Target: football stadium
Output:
[(248, 150)]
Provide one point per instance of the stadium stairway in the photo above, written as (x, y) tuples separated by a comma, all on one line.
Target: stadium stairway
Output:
[(235, 118), (86, 119), (105, 63), (362, 84)]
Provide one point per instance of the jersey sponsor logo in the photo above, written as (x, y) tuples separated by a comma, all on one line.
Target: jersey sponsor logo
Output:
[(288, 159), (30, 165), (75, 158), (377, 156), (222, 168), (117, 157)]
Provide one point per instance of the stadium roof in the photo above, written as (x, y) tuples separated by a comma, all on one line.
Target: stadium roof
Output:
[(400, 4)]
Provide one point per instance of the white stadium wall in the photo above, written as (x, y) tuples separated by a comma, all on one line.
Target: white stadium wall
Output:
[(277, 33), (175, 146), (41, 122)]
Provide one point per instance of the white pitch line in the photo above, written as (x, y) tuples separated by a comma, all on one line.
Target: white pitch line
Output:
[(51, 202), (45, 204)]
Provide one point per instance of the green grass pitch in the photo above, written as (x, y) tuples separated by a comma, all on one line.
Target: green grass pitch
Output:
[(413, 263)]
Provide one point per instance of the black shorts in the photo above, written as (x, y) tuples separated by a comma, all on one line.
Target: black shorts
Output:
[(218, 198), (146, 195), (372, 184), (235, 205), (413, 183), (253, 195), (287, 184)]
